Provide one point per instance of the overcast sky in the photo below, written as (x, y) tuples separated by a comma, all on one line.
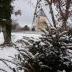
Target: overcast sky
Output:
[(27, 8)]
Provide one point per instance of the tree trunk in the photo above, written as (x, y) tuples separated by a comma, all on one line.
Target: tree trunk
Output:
[(8, 33), (52, 14), (53, 19), (6, 28)]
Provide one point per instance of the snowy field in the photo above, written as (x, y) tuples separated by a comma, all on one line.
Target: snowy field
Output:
[(7, 54)]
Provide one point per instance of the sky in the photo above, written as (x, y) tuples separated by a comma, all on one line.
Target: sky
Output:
[(27, 8)]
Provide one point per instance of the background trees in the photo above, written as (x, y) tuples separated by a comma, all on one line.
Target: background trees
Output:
[(26, 28)]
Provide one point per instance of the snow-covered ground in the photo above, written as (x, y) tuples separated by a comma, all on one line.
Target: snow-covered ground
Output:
[(20, 40), (6, 58), (17, 36), (7, 54)]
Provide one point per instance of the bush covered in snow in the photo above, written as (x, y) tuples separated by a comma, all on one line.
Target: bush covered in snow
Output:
[(50, 54)]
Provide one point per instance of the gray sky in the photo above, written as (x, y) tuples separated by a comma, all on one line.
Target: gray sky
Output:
[(27, 9)]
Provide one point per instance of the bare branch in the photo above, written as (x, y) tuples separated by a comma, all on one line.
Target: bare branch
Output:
[(51, 11)]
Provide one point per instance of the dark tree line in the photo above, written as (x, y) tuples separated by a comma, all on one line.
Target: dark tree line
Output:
[(5, 19)]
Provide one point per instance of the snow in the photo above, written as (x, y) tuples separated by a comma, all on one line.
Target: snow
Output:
[(8, 54), (1, 38), (17, 36)]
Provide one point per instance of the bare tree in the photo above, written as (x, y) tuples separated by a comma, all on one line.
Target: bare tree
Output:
[(64, 14), (51, 11), (63, 8)]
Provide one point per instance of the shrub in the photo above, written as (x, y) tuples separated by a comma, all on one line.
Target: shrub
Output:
[(48, 55)]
